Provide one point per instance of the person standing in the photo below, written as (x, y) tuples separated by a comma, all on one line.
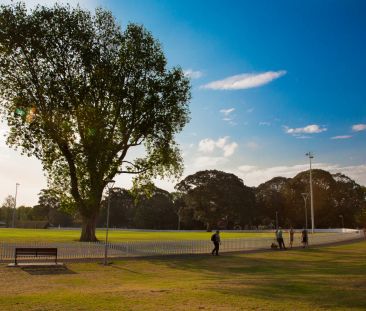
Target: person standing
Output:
[(304, 238), (216, 240), (292, 233), (279, 238)]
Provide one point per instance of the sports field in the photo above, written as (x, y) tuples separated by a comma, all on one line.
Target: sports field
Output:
[(60, 235), (329, 278)]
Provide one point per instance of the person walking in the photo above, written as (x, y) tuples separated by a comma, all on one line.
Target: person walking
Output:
[(292, 233), (279, 238), (216, 240), (304, 238)]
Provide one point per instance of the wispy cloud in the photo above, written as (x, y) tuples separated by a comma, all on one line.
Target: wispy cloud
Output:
[(309, 129), (252, 145), (209, 145), (226, 112), (227, 116), (341, 137), (193, 74), (202, 162), (244, 81), (358, 127), (264, 123)]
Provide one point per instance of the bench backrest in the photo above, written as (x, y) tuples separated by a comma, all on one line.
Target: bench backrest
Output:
[(36, 251)]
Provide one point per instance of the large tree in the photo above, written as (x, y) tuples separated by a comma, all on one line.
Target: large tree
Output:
[(216, 196), (78, 93)]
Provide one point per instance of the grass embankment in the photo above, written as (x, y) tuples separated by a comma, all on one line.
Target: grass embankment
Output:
[(331, 278), (59, 235)]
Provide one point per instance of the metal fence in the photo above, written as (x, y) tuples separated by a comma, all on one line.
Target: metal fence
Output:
[(76, 251)]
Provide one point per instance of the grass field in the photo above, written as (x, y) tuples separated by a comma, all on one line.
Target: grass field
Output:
[(329, 278), (59, 235)]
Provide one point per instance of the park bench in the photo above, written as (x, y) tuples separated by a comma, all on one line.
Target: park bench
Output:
[(35, 252)]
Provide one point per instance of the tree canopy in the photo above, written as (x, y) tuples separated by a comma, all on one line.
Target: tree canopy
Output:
[(78, 92), (216, 196)]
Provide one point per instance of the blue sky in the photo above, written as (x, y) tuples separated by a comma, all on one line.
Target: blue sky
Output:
[(271, 80)]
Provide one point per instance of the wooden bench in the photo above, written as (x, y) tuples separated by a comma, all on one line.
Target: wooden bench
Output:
[(35, 252)]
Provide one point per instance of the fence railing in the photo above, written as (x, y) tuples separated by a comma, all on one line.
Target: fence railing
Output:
[(95, 250)]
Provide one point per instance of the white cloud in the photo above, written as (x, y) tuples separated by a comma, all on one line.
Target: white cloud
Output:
[(253, 175), (209, 145), (193, 74), (88, 4), (226, 112), (358, 127), (244, 81), (206, 145), (309, 129), (341, 137)]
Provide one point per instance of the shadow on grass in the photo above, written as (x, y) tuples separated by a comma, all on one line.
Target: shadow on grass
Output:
[(322, 277), (124, 269), (47, 270)]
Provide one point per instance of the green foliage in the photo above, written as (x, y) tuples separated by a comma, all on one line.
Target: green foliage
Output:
[(216, 196), (78, 93), (334, 195)]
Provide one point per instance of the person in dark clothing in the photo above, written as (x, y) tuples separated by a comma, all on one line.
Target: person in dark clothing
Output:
[(216, 240), (305, 238)]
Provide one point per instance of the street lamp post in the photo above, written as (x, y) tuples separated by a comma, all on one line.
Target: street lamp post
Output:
[(15, 204), (311, 156), (305, 196), (110, 184), (341, 217)]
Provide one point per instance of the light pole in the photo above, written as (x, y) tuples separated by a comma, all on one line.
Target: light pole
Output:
[(110, 184), (276, 220), (15, 204), (341, 216), (311, 156), (305, 196)]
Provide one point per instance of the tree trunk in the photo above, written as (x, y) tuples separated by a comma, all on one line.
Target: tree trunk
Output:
[(88, 229)]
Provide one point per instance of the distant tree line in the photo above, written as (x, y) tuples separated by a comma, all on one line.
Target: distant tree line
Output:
[(215, 199)]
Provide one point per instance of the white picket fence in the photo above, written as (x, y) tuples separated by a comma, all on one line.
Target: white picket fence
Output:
[(76, 251)]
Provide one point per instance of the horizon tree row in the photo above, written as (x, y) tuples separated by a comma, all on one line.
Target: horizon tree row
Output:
[(215, 199)]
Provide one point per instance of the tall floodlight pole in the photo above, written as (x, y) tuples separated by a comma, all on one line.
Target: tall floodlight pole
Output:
[(110, 185), (15, 204), (305, 196), (311, 156)]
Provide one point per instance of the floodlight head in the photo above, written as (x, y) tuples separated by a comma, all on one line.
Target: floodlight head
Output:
[(310, 155)]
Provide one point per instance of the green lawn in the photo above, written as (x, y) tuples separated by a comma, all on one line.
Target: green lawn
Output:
[(56, 235), (329, 278)]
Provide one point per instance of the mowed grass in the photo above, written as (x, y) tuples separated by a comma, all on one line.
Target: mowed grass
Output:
[(329, 278), (60, 235)]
